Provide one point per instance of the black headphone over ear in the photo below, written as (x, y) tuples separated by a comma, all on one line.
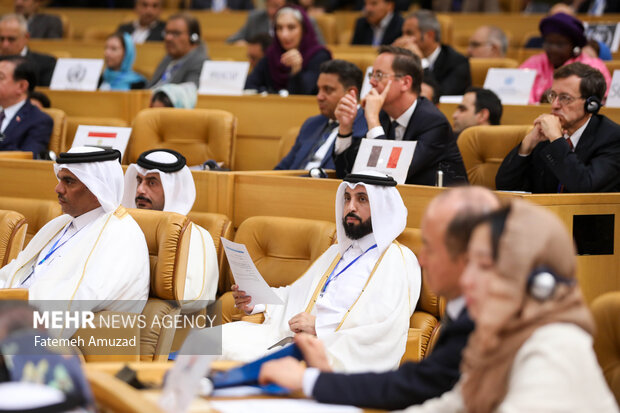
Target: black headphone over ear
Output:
[(592, 105), (542, 282)]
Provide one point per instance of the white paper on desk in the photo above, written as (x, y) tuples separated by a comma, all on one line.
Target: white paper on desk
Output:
[(247, 276), (184, 381), (279, 406)]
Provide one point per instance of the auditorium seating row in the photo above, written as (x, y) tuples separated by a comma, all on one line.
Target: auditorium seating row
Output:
[(282, 249), (262, 136), (241, 195), (274, 219), (336, 27)]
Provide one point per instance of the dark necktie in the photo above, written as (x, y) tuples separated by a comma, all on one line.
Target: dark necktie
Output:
[(2, 116), (572, 147), (392, 132), (327, 130), (570, 144)]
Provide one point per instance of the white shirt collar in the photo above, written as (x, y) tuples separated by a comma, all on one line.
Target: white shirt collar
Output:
[(24, 51), (403, 120), (433, 57), (455, 307), (574, 138), (385, 21), (365, 242), (10, 112), (86, 218)]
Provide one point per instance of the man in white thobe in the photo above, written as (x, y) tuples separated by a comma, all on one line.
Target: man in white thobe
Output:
[(357, 297), (95, 255), (162, 181)]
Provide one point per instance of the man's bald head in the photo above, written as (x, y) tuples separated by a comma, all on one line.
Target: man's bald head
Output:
[(443, 253)]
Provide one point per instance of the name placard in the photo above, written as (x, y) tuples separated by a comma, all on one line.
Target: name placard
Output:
[(512, 86), (606, 32), (76, 74), (223, 78), (613, 98), (107, 137), (387, 156)]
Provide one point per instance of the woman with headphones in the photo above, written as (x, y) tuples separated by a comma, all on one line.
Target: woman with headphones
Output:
[(563, 39), (531, 350), (292, 61)]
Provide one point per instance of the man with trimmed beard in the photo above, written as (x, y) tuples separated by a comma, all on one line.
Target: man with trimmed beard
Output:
[(357, 297), (161, 181)]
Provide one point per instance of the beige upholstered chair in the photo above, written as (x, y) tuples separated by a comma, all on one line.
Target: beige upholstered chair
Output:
[(12, 233), (57, 139), (199, 134), (282, 250), (484, 148), (37, 212)]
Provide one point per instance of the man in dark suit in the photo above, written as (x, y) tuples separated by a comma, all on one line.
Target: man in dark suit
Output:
[(380, 24), (40, 25), (23, 126), (148, 27), (14, 41), (314, 145), (394, 110), (443, 257), (573, 149), (185, 52), (422, 35)]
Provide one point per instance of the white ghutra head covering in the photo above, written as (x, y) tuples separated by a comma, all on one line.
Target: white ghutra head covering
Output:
[(175, 176), (98, 169), (387, 210)]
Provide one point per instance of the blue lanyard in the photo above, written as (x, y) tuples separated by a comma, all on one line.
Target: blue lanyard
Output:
[(332, 277), (56, 246)]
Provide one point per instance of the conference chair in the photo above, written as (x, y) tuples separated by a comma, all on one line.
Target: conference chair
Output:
[(74, 121), (327, 25), (606, 311), (483, 149), (219, 226), (12, 234), (282, 249), (479, 67), (168, 246), (57, 139), (424, 325), (199, 134), (37, 213)]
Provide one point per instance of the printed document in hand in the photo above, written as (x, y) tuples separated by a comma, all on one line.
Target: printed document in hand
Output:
[(247, 276)]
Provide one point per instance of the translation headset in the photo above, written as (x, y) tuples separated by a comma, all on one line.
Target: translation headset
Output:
[(592, 105), (194, 38), (542, 283)]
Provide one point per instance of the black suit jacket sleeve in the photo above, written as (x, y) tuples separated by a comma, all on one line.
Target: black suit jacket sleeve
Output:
[(360, 33), (259, 78), (412, 383), (514, 172)]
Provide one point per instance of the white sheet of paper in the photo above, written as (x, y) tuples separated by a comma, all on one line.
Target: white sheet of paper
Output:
[(512, 86), (183, 382), (451, 99), (247, 276), (366, 83), (279, 406), (102, 137), (613, 99), (223, 78), (76, 74), (389, 157)]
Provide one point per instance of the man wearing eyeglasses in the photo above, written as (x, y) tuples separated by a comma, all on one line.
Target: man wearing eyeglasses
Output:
[(573, 149), (185, 52), (14, 42), (487, 41), (395, 110)]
